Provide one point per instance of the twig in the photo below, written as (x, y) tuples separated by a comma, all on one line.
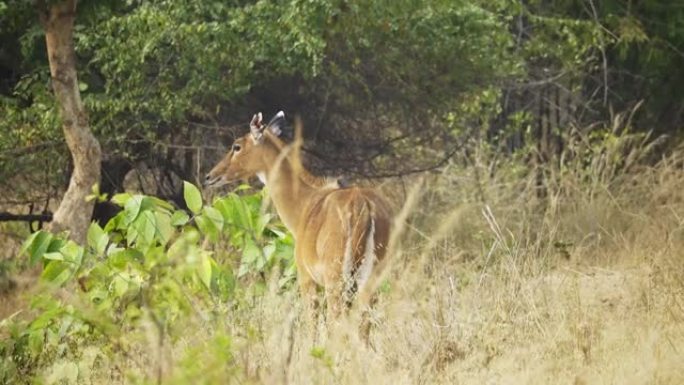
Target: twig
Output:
[(9, 217), (603, 53)]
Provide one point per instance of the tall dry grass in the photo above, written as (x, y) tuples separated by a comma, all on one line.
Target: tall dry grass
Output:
[(498, 279)]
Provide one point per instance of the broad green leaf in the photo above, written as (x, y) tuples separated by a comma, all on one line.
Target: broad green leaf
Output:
[(214, 216), (141, 232), (206, 226), (160, 203), (36, 340), (97, 238), (205, 271), (192, 197), (163, 227), (243, 216), (48, 316), (54, 256), (73, 252), (36, 245), (148, 227), (251, 254), (56, 272), (132, 208), (121, 199), (120, 259), (262, 221), (27, 243), (226, 206), (179, 218), (56, 244), (119, 286), (115, 222), (280, 234)]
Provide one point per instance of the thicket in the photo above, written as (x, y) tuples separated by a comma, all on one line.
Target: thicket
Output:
[(149, 263)]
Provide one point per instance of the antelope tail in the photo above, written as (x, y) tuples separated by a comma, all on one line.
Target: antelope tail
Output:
[(359, 258)]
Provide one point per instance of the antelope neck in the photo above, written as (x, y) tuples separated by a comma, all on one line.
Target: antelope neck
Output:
[(288, 189)]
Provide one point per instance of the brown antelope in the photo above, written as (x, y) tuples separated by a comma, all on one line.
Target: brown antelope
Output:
[(340, 233)]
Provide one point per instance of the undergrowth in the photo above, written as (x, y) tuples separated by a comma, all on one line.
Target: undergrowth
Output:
[(508, 271)]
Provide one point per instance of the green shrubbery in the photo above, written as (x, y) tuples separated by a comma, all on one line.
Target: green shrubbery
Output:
[(148, 263)]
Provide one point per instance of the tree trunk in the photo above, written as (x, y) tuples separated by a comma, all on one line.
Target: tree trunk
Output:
[(74, 213)]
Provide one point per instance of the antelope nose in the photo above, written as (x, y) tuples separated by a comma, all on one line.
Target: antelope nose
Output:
[(207, 179)]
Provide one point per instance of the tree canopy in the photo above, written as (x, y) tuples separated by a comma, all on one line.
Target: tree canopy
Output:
[(377, 83)]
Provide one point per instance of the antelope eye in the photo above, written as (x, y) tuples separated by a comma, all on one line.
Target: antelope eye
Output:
[(236, 147)]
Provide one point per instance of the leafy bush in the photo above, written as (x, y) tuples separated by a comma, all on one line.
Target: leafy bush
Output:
[(148, 262)]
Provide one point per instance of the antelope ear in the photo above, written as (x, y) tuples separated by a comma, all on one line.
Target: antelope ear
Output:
[(256, 127), (277, 123)]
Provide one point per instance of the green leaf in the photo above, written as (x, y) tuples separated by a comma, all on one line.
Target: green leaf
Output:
[(251, 252), (56, 244), (56, 272), (121, 199), (36, 339), (36, 245), (97, 238), (214, 216), (179, 218), (262, 221), (27, 243), (146, 227), (55, 256), (120, 259), (226, 207), (160, 204), (252, 257), (114, 223), (119, 286), (280, 234), (206, 226), (163, 227), (132, 208), (205, 271), (192, 196), (73, 252)]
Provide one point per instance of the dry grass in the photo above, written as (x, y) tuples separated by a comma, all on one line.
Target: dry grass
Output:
[(584, 285), (495, 282)]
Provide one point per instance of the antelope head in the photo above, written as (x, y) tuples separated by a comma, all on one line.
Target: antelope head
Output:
[(249, 154)]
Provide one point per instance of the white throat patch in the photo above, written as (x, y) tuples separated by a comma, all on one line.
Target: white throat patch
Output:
[(262, 177)]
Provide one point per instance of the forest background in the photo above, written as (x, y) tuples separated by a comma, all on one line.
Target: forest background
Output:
[(548, 131)]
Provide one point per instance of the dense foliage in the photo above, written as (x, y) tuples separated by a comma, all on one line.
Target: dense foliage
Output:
[(147, 263), (543, 117), (405, 82)]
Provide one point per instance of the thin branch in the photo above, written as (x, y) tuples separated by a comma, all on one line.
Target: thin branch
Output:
[(604, 58), (9, 217)]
